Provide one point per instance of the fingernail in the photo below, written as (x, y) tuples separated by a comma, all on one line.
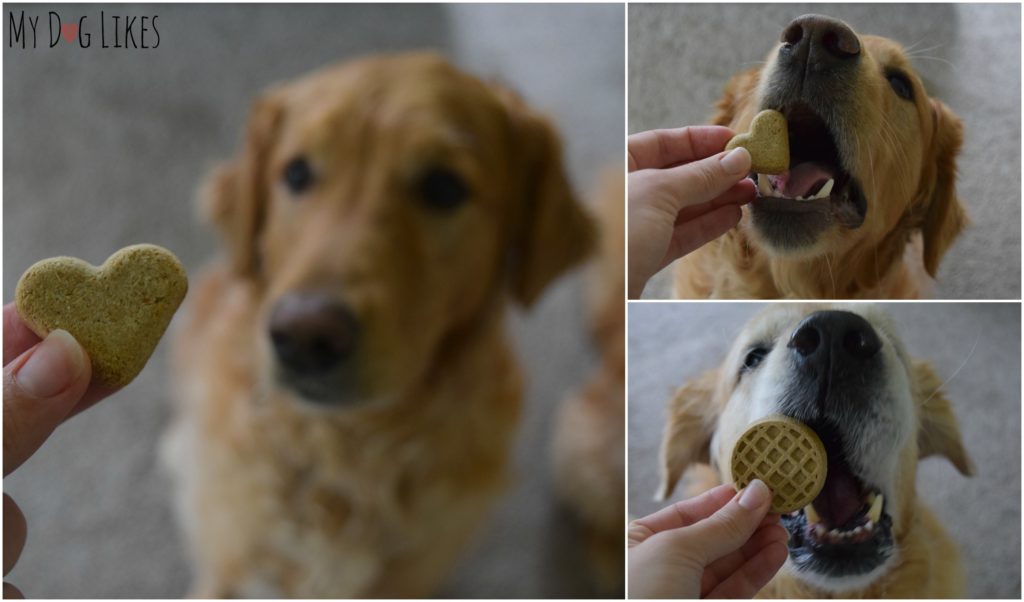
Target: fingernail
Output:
[(54, 365), (755, 495), (736, 161)]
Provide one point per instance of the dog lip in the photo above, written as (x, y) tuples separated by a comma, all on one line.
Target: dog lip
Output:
[(307, 391), (795, 206), (331, 390)]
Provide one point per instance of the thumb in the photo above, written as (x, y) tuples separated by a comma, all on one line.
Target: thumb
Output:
[(41, 387), (728, 529), (701, 181)]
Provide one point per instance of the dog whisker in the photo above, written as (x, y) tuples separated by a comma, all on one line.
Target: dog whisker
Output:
[(970, 354), (920, 50), (907, 49), (935, 58), (831, 276)]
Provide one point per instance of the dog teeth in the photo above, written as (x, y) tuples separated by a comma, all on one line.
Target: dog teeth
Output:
[(765, 188), (826, 189), (875, 512), (812, 514), (821, 194)]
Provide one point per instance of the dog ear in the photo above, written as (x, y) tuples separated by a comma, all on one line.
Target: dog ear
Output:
[(234, 197), (738, 90), (938, 432), (692, 415), (944, 215), (552, 230)]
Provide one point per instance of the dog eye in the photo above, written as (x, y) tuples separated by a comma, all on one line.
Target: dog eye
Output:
[(442, 189), (754, 358), (298, 176), (900, 85)]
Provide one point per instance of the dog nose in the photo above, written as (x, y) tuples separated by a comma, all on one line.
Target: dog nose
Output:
[(841, 334), (820, 41), (311, 333)]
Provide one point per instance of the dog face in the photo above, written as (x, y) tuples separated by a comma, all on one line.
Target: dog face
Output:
[(381, 208), (872, 157), (843, 372)]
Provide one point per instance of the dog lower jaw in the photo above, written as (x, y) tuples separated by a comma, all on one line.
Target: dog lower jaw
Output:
[(838, 550), (775, 233), (800, 227)]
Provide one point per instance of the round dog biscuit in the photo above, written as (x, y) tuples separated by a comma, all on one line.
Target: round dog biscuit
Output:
[(767, 141), (787, 455), (117, 312)]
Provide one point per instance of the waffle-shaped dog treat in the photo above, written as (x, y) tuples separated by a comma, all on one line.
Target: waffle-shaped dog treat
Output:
[(787, 455), (767, 141), (117, 312)]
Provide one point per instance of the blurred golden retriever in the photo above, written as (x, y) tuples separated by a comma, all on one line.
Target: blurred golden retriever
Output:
[(868, 206), (844, 372), (589, 440), (348, 394)]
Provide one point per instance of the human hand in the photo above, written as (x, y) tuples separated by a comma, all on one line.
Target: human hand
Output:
[(720, 544), (45, 382), (683, 193)]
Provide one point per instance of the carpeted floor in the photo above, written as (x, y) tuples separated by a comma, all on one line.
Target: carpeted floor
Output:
[(672, 342), (680, 57), (105, 147)]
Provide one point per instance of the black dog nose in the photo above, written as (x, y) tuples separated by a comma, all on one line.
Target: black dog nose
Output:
[(311, 333), (821, 41), (843, 334)]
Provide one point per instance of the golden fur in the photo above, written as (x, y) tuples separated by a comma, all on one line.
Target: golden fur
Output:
[(281, 497), (589, 438), (700, 429), (904, 158)]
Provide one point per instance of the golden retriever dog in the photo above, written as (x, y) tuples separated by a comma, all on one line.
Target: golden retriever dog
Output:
[(868, 206), (844, 372), (589, 438), (348, 394)]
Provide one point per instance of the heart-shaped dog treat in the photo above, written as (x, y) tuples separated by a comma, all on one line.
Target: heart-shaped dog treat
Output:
[(767, 141), (787, 455), (117, 312)]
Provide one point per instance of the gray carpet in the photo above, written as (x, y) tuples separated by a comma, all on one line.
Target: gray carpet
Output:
[(680, 57), (104, 148), (669, 343)]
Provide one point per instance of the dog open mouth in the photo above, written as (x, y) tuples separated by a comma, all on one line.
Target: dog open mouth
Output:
[(816, 191), (846, 530)]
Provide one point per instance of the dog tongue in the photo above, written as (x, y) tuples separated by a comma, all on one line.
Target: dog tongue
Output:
[(802, 179), (840, 498)]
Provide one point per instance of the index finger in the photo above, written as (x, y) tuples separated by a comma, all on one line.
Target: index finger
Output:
[(17, 336), (685, 513), (656, 149)]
